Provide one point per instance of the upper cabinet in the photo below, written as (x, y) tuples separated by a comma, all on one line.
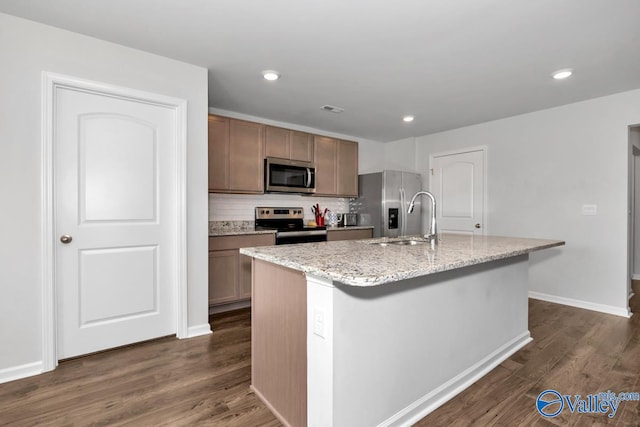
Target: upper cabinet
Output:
[(347, 168), (325, 156), (336, 163), (218, 153), (237, 149), (288, 144), (236, 159)]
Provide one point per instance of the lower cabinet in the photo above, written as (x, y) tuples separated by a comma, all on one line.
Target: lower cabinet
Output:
[(349, 234), (229, 271)]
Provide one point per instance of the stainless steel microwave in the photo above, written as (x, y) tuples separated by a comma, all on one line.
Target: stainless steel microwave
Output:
[(289, 176)]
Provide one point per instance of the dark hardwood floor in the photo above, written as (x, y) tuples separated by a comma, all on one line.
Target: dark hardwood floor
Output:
[(205, 380), (574, 351)]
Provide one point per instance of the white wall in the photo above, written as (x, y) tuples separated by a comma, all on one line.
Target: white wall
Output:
[(542, 167), (401, 155), (28, 48), (371, 157)]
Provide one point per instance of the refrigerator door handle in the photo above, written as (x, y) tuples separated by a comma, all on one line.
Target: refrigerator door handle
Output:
[(403, 222)]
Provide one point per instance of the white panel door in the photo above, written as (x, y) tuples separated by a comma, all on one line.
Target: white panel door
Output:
[(115, 197), (457, 182)]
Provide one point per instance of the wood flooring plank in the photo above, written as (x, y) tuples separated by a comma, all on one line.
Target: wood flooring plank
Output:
[(204, 381)]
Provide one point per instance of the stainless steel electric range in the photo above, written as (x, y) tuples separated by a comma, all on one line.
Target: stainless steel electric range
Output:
[(289, 223)]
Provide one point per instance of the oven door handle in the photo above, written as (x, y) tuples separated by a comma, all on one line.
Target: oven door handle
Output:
[(301, 233)]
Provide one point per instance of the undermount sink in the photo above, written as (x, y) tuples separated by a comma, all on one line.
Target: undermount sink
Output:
[(407, 242)]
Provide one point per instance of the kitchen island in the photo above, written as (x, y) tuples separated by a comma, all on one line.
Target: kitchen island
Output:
[(372, 332)]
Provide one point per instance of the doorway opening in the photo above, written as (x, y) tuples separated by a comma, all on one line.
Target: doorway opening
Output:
[(633, 211)]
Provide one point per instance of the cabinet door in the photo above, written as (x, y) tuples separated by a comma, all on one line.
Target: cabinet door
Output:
[(246, 162), (223, 276), (347, 168), (276, 142), (218, 153), (245, 276), (301, 146), (325, 156)]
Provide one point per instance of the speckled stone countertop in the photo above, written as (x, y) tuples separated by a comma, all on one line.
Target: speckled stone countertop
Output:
[(368, 263), (234, 228)]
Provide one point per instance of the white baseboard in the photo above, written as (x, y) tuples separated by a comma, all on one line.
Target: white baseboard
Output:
[(447, 391), (635, 276), (198, 330), (609, 309), (22, 371)]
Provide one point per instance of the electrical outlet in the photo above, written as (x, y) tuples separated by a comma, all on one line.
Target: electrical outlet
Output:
[(589, 209)]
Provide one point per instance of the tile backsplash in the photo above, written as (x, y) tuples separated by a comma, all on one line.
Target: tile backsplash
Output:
[(240, 207)]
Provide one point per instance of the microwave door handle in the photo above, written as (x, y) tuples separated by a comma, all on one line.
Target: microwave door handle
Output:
[(308, 183)]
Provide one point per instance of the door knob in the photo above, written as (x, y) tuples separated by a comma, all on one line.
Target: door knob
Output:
[(477, 225), (66, 239)]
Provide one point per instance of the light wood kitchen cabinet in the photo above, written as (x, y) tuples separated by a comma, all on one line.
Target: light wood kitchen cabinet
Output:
[(236, 156), (218, 153), (230, 271), (223, 278), (288, 144), (347, 168), (336, 163), (335, 234), (325, 156), (237, 149)]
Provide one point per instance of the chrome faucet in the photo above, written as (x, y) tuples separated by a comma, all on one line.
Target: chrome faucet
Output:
[(432, 234)]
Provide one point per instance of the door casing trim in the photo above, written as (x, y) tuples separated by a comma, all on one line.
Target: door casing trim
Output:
[(50, 82)]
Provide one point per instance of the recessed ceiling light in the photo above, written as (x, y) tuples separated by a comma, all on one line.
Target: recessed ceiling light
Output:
[(271, 75), (562, 74), (408, 118)]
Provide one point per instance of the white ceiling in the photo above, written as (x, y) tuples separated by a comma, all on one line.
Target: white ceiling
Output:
[(450, 63)]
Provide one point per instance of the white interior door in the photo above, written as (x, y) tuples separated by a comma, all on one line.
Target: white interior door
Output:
[(115, 198), (457, 182)]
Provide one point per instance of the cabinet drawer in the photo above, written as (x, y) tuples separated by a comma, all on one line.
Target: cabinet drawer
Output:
[(221, 243)]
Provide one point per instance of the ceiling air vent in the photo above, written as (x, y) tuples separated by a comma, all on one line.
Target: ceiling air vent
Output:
[(332, 109)]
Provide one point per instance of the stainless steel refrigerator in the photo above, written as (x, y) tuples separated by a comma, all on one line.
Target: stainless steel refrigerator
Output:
[(383, 202)]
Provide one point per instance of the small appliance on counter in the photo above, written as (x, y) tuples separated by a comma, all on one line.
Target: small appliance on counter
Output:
[(347, 219)]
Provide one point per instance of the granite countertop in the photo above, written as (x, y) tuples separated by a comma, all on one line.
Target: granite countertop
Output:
[(234, 228), (367, 263)]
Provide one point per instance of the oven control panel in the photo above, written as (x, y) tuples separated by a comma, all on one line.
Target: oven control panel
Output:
[(279, 213)]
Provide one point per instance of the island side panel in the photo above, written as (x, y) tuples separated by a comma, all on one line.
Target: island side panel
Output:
[(279, 340), (402, 349)]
